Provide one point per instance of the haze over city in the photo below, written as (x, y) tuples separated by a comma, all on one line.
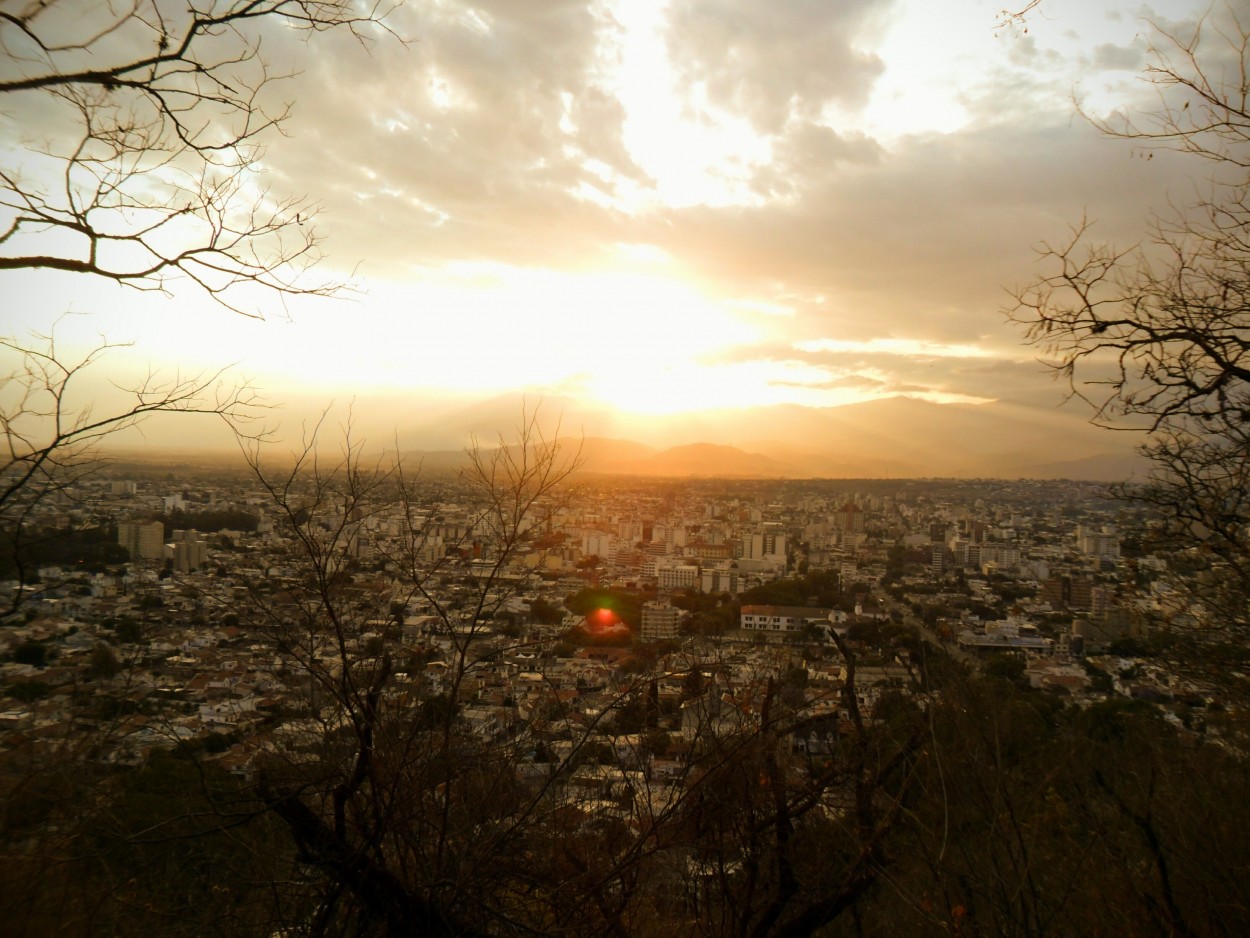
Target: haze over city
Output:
[(672, 224)]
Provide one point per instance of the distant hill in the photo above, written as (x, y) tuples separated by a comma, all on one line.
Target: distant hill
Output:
[(891, 438), (1108, 467), (706, 460), (603, 455)]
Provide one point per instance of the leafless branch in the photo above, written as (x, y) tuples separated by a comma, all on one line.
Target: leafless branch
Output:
[(162, 178)]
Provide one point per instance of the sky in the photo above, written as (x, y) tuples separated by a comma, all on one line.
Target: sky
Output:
[(641, 209)]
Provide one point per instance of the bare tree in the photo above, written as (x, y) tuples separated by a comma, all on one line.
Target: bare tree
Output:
[(51, 431), (141, 126), (1016, 17), (426, 779), (143, 123), (1157, 336), (383, 811)]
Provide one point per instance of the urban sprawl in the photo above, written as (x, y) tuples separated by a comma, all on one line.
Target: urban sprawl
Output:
[(628, 610)]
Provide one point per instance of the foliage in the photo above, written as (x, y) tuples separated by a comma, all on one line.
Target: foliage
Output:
[(32, 653), (103, 663), (1035, 819), (545, 613), (126, 630), (822, 589), (626, 605), (173, 848), (91, 549), (1005, 666), (28, 691), (210, 520)]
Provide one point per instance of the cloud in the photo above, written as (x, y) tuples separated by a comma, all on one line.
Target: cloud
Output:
[(771, 61), (497, 140), (1110, 56), (807, 154), (471, 142), (908, 347), (517, 156)]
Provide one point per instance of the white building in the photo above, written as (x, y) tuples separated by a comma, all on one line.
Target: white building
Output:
[(764, 546), (676, 576), (600, 544), (782, 618)]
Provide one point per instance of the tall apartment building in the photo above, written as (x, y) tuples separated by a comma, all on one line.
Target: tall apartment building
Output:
[(1068, 592), (849, 518), (764, 546), (975, 555), (660, 621), (715, 580), (599, 543), (190, 555), (144, 540), (1103, 541)]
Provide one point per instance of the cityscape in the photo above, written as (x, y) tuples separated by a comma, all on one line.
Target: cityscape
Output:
[(1032, 569), (632, 468), (609, 649)]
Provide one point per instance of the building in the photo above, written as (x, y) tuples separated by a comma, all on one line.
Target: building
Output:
[(782, 618), (714, 580), (1007, 635), (1101, 542), (977, 555), (660, 621), (1095, 633), (599, 544), (190, 555), (704, 550), (1064, 592), (144, 540), (674, 576), (1001, 556), (764, 546), (849, 518)]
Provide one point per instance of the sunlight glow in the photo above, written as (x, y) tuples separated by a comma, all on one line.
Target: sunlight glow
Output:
[(679, 387), (696, 153)]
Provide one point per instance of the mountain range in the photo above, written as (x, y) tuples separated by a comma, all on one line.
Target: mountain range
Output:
[(891, 438)]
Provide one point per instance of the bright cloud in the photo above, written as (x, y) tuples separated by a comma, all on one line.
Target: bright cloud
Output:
[(675, 206)]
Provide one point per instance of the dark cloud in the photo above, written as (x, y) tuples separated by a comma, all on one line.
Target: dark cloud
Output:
[(1113, 57), (927, 240), (808, 154), (470, 143), (771, 61)]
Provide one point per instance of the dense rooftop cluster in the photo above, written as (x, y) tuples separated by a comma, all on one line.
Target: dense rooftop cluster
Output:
[(605, 657), (1051, 573)]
